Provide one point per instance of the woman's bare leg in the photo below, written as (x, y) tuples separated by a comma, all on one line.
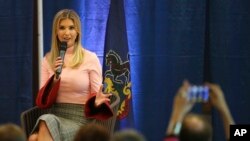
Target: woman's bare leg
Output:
[(43, 133), (33, 137)]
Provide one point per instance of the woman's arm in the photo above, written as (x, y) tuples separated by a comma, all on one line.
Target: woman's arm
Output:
[(218, 101)]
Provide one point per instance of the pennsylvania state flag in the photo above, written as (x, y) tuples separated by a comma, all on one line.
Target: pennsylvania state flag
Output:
[(116, 65)]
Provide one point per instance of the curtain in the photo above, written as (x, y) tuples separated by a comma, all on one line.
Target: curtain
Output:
[(229, 52), (16, 58), (169, 41)]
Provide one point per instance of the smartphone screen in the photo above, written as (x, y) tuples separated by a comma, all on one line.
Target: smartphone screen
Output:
[(198, 93)]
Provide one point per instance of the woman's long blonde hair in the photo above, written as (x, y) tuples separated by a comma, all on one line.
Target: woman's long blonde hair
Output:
[(78, 50)]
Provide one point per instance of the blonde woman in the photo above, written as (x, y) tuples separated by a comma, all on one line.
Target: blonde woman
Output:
[(76, 94)]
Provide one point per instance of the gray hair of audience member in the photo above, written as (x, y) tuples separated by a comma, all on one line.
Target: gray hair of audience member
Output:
[(11, 132), (128, 135)]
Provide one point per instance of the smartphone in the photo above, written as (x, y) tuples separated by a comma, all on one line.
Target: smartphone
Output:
[(198, 93)]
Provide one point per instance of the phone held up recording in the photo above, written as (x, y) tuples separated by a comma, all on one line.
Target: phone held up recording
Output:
[(198, 93)]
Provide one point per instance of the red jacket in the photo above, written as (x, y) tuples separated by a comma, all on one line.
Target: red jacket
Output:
[(47, 95)]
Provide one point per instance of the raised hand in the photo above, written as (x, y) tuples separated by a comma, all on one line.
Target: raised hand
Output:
[(217, 97), (218, 101), (182, 105), (101, 97)]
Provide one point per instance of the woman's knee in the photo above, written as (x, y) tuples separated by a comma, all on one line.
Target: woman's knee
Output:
[(33, 137), (43, 126)]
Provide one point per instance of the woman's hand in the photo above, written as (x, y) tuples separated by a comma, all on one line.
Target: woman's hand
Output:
[(101, 97), (182, 105), (217, 97), (218, 101), (58, 63)]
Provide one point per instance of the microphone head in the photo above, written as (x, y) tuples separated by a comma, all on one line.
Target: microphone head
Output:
[(63, 46)]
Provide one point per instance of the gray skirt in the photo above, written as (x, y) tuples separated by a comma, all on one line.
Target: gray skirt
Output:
[(63, 121)]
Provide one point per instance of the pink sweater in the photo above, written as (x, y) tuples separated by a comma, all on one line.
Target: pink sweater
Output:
[(76, 84)]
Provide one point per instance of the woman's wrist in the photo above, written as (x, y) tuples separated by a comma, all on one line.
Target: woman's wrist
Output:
[(177, 128), (175, 124), (174, 128)]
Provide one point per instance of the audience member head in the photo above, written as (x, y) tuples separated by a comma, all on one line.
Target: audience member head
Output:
[(195, 128), (128, 135), (92, 132), (11, 132)]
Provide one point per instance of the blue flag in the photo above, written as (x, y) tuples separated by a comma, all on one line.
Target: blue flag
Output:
[(116, 65)]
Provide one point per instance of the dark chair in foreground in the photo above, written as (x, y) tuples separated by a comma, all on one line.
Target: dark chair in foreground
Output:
[(30, 116)]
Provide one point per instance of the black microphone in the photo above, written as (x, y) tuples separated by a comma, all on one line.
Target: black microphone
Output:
[(62, 50)]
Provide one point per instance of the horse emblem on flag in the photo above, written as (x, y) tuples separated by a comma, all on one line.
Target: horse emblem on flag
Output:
[(117, 81)]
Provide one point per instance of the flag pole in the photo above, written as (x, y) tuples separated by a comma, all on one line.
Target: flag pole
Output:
[(40, 36)]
